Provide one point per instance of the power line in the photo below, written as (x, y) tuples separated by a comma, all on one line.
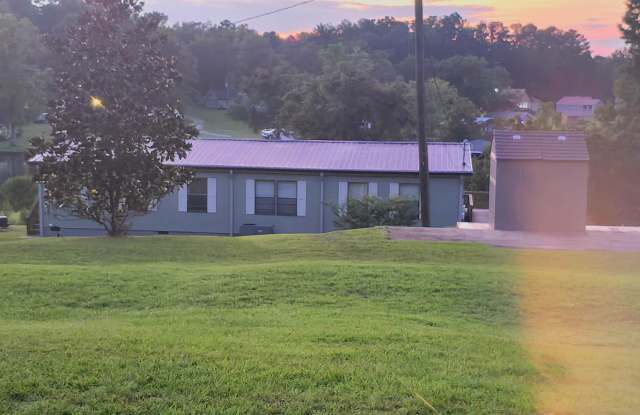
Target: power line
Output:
[(293, 6)]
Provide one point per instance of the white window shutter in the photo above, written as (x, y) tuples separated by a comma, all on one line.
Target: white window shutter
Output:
[(182, 199), (373, 189), (250, 196), (212, 195), (302, 198), (343, 193), (394, 190)]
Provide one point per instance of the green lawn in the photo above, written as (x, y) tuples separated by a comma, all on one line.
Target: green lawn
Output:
[(220, 122), (28, 132), (338, 323)]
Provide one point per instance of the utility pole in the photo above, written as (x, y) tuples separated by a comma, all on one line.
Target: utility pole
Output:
[(422, 139)]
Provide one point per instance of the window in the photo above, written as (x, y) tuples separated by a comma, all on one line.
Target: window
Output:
[(411, 192), (287, 199), (265, 198), (276, 198), (358, 191), (197, 196)]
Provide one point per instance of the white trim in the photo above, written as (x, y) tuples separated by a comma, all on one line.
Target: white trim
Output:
[(182, 198), (394, 190), (302, 198), (41, 207), (373, 189), (212, 195), (343, 193), (250, 196)]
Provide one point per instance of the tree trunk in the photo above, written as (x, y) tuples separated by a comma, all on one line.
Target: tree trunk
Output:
[(12, 134)]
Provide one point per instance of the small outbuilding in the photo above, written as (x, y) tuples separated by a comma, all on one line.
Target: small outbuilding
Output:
[(539, 181)]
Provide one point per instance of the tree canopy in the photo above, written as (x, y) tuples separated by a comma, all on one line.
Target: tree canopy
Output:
[(21, 78), (116, 120)]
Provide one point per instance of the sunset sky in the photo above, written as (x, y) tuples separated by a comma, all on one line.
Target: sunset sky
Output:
[(597, 19)]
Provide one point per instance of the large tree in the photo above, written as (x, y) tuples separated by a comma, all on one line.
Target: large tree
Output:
[(21, 80), (116, 120), (614, 139), (631, 33)]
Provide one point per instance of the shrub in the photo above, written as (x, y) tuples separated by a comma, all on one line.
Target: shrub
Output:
[(372, 211), (18, 193), (17, 218)]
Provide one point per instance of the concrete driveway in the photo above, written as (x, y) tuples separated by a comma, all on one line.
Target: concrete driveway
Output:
[(594, 238)]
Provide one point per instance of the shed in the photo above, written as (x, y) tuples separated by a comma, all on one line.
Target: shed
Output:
[(539, 181)]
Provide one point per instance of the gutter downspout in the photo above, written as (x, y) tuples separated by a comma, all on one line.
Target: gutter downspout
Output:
[(321, 202), (41, 207), (231, 202)]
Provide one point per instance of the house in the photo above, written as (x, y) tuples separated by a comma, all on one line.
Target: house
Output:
[(538, 181), (522, 101), (219, 99), (478, 146), (290, 186), (576, 109)]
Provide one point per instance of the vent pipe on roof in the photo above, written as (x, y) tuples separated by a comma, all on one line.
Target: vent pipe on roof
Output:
[(464, 152)]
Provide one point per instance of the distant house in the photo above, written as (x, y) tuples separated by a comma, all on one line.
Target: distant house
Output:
[(538, 181), (520, 116), (522, 101), (576, 109), (219, 99), (289, 186), (479, 146)]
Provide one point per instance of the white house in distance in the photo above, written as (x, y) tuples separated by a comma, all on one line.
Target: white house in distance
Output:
[(575, 109)]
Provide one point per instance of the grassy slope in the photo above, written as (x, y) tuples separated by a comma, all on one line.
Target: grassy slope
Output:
[(338, 323), (28, 132), (219, 122)]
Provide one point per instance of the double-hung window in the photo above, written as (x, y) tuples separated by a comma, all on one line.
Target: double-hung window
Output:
[(265, 197), (197, 196), (276, 198), (410, 191), (287, 199), (358, 191)]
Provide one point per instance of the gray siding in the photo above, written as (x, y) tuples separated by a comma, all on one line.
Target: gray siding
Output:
[(446, 204), (539, 196)]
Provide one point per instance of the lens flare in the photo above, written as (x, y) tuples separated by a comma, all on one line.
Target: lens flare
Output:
[(96, 103)]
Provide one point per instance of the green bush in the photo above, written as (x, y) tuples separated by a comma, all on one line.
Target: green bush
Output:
[(17, 218), (18, 194), (372, 211)]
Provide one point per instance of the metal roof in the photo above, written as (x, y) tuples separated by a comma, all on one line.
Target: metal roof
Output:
[(346, 156), (540, 145), (578, 101)]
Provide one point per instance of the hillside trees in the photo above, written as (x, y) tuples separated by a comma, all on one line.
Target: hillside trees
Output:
[(615, 138), (116, 121), (21, 79)]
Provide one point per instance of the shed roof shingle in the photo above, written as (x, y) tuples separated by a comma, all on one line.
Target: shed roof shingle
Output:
[(540, 145), (347, 156)]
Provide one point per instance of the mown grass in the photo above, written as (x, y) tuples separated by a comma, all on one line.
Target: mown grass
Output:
[(24, 141), (340, 323), (220, 122)]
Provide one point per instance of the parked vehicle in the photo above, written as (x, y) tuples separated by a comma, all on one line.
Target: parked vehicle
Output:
[(275, 134), (42, 118)]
